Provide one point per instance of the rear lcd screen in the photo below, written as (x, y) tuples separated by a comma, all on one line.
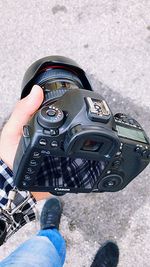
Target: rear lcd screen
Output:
[(63, 172), (130, 133)]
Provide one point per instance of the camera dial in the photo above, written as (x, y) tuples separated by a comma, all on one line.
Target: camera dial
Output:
[(50, 117)]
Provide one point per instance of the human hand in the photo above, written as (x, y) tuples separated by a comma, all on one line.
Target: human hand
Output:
[(12, 131)]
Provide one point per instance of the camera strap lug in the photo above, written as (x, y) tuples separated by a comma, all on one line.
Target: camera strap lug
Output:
[(11, 197)]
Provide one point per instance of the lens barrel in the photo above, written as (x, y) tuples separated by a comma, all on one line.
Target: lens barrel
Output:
[(57, 67), (56, 82)]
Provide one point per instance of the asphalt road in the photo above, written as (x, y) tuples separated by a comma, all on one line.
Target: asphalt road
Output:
[(111, 41)]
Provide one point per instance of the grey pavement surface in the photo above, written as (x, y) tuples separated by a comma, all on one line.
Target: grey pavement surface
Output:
[(110, 39)]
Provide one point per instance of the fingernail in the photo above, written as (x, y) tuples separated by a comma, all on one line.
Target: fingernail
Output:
[(33, 93), (34, 89)]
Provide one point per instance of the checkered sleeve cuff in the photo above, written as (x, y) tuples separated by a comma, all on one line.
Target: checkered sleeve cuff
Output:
[(22, 208), (6, 182)]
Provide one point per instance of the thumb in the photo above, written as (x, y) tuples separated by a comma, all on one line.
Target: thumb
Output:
[(25, 108)]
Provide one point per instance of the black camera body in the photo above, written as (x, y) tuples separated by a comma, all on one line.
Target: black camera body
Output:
[(76, 123)]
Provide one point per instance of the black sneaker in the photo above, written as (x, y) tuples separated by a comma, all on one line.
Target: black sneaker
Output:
[(106, 256), (51, 214)]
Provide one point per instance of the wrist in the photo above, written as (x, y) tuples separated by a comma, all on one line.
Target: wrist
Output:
[(6, 162), (5, 170)]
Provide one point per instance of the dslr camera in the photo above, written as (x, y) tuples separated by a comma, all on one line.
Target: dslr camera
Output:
[(74, 143)]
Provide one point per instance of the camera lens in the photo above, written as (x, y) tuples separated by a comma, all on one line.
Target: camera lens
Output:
[(56, 82)]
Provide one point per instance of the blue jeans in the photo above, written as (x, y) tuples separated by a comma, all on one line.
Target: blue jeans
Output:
[(47, 249)]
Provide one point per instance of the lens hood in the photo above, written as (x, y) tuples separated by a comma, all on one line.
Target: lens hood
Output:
[(52, 62)]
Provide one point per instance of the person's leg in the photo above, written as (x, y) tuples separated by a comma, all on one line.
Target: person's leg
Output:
[(35, 252), (50, 220), (57, 240), (48, 249)]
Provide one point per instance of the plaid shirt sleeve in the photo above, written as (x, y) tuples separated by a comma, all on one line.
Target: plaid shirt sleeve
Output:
[(6, 182), (23, 200)]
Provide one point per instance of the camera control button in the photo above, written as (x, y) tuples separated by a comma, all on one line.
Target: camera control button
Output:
[(54, 144), (116, 164), (50, 117), (51, 112), (25, 183), (36, 154), (138, 149), (118, 153), (33, 162), (46, 131), (30, 171), (42, 142), (27, 177), (144, 153), (54, 132), (111, 183), (51, 132), (26, 131)]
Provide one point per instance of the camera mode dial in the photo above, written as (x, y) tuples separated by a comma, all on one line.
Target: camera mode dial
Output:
[(50, 117)]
